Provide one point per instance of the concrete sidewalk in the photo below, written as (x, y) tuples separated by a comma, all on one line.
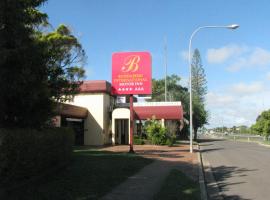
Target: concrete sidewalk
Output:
[(147, 182)]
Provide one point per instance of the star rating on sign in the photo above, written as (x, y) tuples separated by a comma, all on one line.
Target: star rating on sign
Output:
[(139, 89), (125, 89), (130, 89)]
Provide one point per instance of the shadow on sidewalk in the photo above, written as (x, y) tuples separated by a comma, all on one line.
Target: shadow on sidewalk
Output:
[(95, 172), (146, 183)]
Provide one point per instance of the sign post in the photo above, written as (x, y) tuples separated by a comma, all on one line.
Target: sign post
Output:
[(131, 124), (131, 74)]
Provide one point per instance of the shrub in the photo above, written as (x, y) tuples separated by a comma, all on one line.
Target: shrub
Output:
[(159, 135), (156, 133), (171, 140), (138, 140), (25, 153)]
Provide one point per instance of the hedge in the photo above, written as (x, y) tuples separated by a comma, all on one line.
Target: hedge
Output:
[(26, 153)]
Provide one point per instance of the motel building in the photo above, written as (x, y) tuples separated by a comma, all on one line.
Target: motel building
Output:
[(99, 119)]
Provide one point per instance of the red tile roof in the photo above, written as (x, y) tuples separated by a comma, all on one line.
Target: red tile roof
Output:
[(99, 86)]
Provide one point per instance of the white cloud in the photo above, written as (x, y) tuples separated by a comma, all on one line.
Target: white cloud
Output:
[(222, 54), (239, 57), (247, 89), (260, 57), (257, 57), (214, 99), (238, 104), (237, 65)]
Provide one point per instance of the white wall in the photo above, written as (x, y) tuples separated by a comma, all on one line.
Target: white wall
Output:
[(107, 122), (96, 125)]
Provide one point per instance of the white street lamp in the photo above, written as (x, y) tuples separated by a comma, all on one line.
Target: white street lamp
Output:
[(232, 26)]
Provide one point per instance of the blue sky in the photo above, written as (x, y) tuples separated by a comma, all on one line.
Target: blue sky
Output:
[(237, 63)]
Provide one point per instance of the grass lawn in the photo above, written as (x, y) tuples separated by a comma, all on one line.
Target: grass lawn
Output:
[(91, 175), (266, 142), (178, 186)]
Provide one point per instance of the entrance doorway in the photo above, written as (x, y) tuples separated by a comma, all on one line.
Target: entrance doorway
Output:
[(78, 126), (122, 131)]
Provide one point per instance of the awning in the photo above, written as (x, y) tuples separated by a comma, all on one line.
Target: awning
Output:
[(71, 111), (161, 110)]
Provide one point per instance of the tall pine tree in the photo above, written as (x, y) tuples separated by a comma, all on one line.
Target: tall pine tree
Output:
[(199, 90), (199, 83)]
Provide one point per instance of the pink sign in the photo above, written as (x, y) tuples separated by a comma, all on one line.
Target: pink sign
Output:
[(131, 73)]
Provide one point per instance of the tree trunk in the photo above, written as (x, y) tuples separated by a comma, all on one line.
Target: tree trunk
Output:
[(195, 134)]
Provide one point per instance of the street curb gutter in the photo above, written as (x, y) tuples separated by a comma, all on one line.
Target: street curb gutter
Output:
[(201, 176), (213, 191)]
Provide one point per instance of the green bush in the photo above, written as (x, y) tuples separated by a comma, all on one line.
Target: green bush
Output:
[(156, 133), (170, 141), (138, 140), (26, 153), (159, 137)]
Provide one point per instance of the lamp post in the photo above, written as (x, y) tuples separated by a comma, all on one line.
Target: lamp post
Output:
[(232, 26)]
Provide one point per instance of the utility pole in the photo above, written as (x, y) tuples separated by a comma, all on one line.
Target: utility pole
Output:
[(165, 66)]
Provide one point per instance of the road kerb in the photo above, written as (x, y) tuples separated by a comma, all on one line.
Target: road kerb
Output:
[(212, 188), (201, 176)]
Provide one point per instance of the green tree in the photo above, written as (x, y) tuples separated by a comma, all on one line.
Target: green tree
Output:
[(175, 91), (199, 83), (65, 59), (24, 99), (244, 129), (261, 126), (200, 115), (199, 90), (266, 130), (35, 68)]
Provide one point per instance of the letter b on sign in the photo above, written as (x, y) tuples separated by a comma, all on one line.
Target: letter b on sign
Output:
[(131, 63)]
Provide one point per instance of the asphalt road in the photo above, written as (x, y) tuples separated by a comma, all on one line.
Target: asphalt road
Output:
[(241, 169)]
